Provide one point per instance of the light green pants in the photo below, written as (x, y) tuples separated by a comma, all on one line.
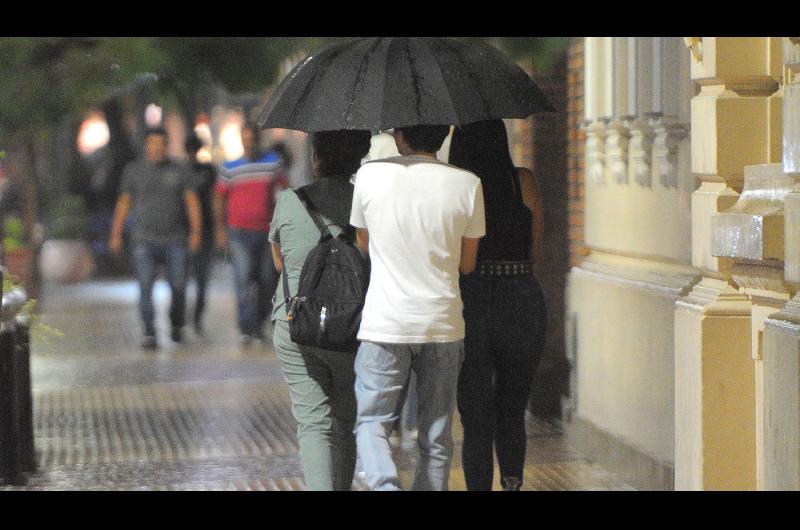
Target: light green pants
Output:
[(321, 386)]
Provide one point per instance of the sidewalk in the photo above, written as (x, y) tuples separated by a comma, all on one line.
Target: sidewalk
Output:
[(202, 415)]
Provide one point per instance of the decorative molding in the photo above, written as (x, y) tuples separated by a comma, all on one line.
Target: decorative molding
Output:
[(791, 128), (717, 297), (617, 138), (641, 151), (766, 275), (695, 44), (672, 286), (667, 137), (753, 228), (595, 151), (787, 320)]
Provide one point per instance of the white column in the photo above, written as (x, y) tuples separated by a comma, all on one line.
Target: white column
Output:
[(620, 76), (641, 145), (598, 97), (656, 76), (781, 363)]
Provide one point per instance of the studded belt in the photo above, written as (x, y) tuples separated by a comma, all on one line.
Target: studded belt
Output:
[(504, 268)]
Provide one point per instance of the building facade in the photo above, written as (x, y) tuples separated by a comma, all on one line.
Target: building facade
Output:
[(683, 332)]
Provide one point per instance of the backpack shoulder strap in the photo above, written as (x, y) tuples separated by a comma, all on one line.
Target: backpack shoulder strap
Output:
[(312, 211), (287, 297)]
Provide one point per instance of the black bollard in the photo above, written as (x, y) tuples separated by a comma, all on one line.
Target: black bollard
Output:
[(26, 454), (17, 452), (8, 444)]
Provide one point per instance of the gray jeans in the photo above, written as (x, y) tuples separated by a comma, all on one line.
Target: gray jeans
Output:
[(323, 404), (382, 373)]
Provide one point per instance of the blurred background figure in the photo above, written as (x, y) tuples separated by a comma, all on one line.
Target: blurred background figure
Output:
[(382, 146), (243, 206), (284, 156), (204, 178), (157, 191), (504, 309)]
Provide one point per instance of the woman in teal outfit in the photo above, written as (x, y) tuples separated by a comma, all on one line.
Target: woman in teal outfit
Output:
[(320, 381)]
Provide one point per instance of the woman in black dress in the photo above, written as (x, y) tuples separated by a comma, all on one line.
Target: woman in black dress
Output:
[(504, 309)]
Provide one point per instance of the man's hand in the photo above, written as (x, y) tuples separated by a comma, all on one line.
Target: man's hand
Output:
[(362, 240), (195, 240), (469, 254), (195, 222), (221, 238), (115, 244), (120, 214)]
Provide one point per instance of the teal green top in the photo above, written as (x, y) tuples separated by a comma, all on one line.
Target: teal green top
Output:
[(297, 234)]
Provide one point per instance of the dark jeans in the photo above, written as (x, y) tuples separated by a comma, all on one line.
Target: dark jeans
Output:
[(147, 256), (256, 277), (201, 263), (505, 319)]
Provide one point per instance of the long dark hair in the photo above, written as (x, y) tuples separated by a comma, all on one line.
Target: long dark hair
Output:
[(340, 152), (482, 147)]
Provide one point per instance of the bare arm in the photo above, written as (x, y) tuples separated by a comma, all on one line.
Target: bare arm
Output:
[(469, 254), (362, 240), (120, 214), (219, 221), (533, 200), (195, 221), (276, 256)]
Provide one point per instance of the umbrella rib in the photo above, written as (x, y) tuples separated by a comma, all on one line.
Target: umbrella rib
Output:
[(362, 68), (414, 78), (444, 82), (475, 81), (326, 60)]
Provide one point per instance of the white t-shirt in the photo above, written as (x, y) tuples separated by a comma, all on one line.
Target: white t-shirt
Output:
[(416, 210)]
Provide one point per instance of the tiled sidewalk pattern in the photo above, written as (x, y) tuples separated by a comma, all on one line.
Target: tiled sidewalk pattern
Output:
[(203, 415)]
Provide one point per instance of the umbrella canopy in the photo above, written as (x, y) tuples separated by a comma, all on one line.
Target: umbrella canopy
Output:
[(380, 83)]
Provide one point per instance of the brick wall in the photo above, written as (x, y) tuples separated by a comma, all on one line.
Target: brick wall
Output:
[(540, 143), (575, 151)]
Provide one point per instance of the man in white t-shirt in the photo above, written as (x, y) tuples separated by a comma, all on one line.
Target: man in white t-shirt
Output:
[(421, 221)]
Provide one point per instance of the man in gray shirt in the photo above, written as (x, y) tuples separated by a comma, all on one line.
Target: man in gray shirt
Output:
[(158, 194)]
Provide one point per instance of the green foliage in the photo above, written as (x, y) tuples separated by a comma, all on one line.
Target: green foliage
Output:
[(28, 312), (10, 283), (241, 64), (14, 235), (50, 77), (543, 52)]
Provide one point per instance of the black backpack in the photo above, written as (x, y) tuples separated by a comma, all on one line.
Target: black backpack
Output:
[(326, 310)]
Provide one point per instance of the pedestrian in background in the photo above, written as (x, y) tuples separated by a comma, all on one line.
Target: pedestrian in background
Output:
[(243, 208), (158, 193), (420, 220), (320, 381), (504, 309), (204, 178)]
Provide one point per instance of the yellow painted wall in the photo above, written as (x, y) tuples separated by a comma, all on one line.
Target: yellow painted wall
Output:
[(625, 356)]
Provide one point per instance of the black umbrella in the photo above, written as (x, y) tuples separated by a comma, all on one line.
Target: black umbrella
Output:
[(380, 83)]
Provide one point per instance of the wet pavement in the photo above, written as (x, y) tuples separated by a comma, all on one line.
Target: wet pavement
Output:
[(200, 415)]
